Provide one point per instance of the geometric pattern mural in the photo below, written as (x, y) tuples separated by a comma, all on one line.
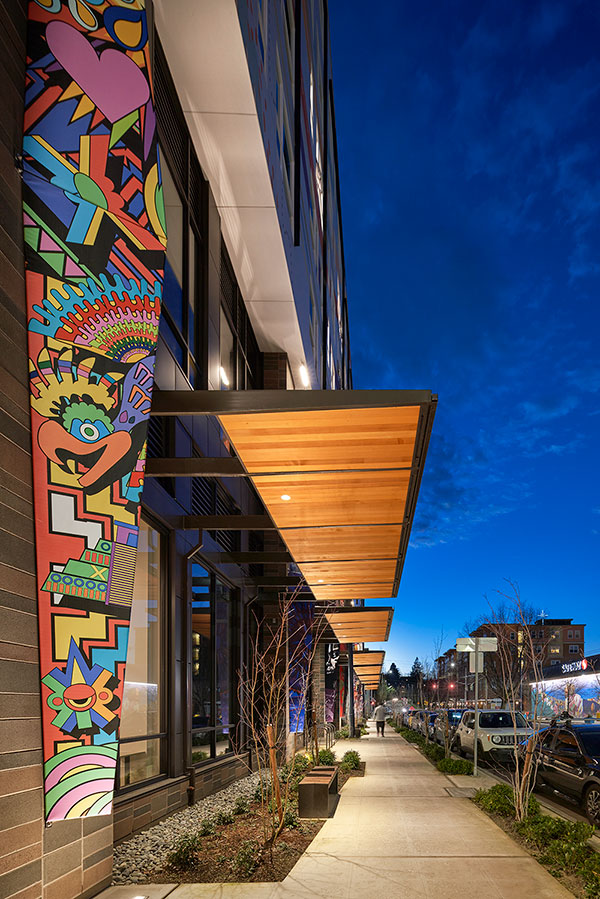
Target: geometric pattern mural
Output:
[(95, 236)]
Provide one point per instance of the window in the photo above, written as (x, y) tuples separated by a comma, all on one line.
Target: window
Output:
[(555, 650), (262, 28), (577, 635), (512, 635), (240, 355), (142, 751), (569, 635), (538, 649), (283, 136), (181, 320), (227, 370), (566, 742), (213, 692), (547, 739), (574, 649)]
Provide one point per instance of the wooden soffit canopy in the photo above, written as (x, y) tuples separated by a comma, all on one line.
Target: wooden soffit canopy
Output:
[(357, 624), (368, 664), (340, 481)]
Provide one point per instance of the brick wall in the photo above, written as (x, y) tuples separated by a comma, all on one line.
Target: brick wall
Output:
[(275, 371), (71, 858), (318, 682)]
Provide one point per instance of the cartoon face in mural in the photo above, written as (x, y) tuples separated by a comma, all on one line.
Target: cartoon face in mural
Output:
[(94, 227), (81, 696)]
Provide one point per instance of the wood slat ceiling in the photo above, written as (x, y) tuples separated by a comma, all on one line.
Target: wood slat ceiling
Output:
[(360, 624), (347, 474), (368, 657), (368, 665)]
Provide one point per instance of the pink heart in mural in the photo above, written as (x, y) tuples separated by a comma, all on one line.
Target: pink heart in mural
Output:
[(112, 80)]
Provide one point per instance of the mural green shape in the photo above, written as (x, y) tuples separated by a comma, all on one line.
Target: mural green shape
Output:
[(94, 243)]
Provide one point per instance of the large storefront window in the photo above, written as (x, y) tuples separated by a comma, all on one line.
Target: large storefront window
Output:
[(212, 669), (141, 750)]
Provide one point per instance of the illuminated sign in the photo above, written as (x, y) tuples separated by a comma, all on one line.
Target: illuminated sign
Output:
[(579, 665)]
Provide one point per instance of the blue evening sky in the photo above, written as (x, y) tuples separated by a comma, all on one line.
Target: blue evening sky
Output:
[(469, 151)]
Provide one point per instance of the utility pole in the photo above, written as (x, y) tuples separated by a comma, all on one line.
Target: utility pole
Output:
[(476, 730)]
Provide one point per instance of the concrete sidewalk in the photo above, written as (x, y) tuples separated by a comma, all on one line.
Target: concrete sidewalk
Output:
[(402, 830)]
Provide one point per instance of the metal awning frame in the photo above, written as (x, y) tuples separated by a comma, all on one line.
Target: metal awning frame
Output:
[(243, 402)]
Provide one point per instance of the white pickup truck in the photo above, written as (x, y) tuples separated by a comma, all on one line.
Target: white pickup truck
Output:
[(499, 729)]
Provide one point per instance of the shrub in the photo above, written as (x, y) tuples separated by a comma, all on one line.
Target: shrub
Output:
[(206, 828), (351, 759), (455, 766), (342, 734), (432, 751), (224, 818), (326, 757), (290, 818), (300, 763), (590, 874), (263, 791), (565, 855), (241, 806), (183, 853), (499, 800), (246, 858)]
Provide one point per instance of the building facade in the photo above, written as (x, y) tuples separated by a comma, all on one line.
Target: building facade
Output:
[(254, 297), (557, 643)]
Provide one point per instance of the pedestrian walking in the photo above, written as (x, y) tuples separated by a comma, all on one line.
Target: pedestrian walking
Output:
[(379, 715)]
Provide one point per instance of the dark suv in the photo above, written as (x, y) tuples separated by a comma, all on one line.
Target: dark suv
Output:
[(568, 760)]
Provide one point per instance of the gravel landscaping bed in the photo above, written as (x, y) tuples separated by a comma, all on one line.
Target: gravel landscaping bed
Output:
[(139, 856)]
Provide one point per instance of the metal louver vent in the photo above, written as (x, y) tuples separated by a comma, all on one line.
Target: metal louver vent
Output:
[(157, 438), (171, 125), (228, 284), (229, 540), (203, 496)]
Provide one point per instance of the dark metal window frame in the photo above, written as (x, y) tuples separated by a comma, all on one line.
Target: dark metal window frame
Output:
[(233, 636), (247, 373), (192, 188)]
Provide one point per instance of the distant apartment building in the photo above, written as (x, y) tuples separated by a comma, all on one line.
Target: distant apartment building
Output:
[(557, 642)]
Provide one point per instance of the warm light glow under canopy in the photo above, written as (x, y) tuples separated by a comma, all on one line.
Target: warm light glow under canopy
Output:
[(353, 474), (357, 624)]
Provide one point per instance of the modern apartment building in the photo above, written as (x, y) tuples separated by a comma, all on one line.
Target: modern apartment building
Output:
[(557, 643), (253, 302)]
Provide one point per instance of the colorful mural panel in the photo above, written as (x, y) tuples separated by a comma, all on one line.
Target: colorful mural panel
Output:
[(579, 696), (95, 237), (300, 644)]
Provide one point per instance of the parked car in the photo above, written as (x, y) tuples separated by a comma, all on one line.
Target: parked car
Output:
[(422, 721), (429, 724), (498, 730), (414, 717), (446, 722), (567, 758)]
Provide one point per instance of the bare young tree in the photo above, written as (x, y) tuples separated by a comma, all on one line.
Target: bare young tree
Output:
[(280, 661), (517, 662)]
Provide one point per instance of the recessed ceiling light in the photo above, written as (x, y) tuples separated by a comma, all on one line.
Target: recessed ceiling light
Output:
[(304, 376), (286, 497), (320, 580), (224, 378)]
